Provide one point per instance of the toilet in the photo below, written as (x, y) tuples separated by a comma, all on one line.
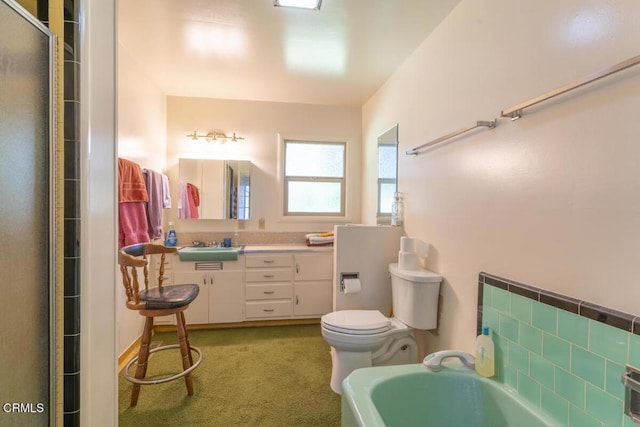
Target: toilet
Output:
[(363, 338)]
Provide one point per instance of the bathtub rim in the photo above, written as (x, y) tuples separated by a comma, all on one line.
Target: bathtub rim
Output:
[(357, 390)]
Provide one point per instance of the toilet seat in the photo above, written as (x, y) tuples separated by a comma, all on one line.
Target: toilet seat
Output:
[(356, 322)]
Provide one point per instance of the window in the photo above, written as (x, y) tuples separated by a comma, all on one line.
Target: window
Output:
[(314, 178)]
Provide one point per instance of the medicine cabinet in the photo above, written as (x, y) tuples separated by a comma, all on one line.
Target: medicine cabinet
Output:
[(223, 186)]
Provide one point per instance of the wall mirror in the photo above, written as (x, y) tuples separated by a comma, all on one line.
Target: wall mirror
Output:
[(219, 189), (387, 173)]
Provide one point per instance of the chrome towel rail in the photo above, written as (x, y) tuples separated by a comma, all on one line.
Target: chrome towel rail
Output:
[(489, 124), (515, 112)]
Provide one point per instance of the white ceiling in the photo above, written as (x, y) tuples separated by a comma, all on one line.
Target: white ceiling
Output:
[(249, 49)]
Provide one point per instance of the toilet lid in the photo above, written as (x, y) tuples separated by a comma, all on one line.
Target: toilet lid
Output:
[(357, 322)]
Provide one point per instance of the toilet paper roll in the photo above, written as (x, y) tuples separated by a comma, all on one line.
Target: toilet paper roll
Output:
[(407, 244), (351, 286), (407, 260)]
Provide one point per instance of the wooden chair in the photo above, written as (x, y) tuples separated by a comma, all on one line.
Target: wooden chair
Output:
[(153, 302)]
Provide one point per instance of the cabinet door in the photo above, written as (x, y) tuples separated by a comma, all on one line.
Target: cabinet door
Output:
[(313, 298), (225, 297), (198, 311), (318, 266)]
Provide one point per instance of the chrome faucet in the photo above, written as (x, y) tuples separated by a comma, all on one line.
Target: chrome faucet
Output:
[(433, 361), (631, 382), (201, 244)]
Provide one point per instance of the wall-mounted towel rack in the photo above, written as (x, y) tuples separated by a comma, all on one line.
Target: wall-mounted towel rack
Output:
[(515, 112), (489, 124)]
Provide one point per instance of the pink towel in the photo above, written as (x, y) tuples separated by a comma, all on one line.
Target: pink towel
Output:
[(132, 224), (193, 198)]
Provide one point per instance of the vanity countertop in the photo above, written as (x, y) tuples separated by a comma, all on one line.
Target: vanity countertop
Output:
[(249, 249)]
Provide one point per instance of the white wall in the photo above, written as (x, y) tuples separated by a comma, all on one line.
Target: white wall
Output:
[(142, 138), (259, 123), (142, 115), (553, 199), (98, 378)]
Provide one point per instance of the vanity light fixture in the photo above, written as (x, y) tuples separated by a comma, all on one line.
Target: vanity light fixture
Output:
[(302, 4), (215, 136)]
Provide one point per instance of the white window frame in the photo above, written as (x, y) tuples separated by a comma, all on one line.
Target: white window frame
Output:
[(284, 216)]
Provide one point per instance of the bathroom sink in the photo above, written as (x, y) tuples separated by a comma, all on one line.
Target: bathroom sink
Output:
[(208, 253)]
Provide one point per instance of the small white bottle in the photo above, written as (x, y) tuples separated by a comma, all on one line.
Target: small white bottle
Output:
[(397, 210), (485, 359)]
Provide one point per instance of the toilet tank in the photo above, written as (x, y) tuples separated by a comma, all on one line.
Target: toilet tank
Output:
[(414, 294)]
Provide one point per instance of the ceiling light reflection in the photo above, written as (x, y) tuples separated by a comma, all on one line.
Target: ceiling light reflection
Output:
[(589, 26), (213, 39), (305, 4)]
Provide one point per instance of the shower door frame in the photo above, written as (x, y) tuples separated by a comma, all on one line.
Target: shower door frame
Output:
[(52, 260)]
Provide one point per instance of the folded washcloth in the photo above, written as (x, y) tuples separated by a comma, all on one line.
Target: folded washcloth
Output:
[(319, 239), (325, 234)]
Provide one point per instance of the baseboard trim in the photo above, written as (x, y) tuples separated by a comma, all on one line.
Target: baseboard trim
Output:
[(247, 324), (128, 354)]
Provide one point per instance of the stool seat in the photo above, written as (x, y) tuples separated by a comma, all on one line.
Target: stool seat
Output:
[(172, 296)]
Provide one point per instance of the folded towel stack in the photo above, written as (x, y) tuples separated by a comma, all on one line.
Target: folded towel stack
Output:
[(316, 239)]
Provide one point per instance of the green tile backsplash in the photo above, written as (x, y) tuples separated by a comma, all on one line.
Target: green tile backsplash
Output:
[(564, 361)]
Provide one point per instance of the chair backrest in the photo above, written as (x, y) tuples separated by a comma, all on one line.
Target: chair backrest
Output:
[(133, 257)]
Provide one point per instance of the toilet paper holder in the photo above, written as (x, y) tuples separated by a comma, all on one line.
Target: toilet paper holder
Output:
[(346, 276)]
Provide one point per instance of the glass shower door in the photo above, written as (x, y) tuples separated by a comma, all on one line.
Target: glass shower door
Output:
[(26, 212)]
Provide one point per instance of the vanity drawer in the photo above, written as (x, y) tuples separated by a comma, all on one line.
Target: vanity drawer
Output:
[(269, 260), (269, 291), (276, 308), (268, 275)]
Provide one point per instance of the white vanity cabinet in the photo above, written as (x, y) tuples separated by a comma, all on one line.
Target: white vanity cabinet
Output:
[(268, 285), (313, 281), (263, 284), (221, 294), (288, 284)]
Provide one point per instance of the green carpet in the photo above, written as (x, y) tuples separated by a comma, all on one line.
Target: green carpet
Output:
[(256, 376)]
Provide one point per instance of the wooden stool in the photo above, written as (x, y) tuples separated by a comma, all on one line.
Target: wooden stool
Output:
[(153, 302)]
